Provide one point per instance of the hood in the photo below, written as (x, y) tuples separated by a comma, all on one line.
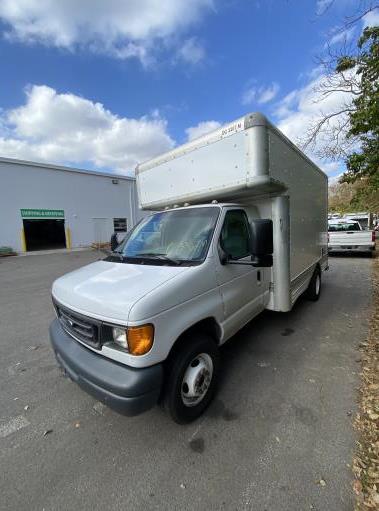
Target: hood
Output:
[(107, 290)]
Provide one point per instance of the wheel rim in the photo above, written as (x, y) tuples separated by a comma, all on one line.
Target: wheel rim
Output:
[(197, 379), (318, 284)]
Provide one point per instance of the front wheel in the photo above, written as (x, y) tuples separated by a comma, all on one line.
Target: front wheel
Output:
[(192, 378), (314, 288)]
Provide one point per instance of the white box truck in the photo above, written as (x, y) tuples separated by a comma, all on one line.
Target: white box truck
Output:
[(365, 219), (241, 227)]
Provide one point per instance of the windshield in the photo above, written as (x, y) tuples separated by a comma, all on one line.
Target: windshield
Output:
[(353, 226), (172, 237)]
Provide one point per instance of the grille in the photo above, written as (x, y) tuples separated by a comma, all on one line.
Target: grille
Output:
[(80, 327)]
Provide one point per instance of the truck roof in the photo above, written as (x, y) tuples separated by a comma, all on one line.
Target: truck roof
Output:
[(204, 205)]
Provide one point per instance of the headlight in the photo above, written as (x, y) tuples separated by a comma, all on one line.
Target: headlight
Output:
[(137, 340), (119, 337)]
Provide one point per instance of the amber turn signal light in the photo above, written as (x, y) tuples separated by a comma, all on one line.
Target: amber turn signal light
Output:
[(140, 339)]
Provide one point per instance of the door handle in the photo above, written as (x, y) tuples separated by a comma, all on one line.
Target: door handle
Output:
[(259, 276)]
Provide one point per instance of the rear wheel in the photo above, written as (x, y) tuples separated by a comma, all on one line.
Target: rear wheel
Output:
[(192, 378), (314, 288)]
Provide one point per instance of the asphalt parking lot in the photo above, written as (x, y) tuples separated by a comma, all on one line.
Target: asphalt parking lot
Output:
[(278, 437)]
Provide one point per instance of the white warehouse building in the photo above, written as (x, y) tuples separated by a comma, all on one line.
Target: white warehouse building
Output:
[(45, 206)]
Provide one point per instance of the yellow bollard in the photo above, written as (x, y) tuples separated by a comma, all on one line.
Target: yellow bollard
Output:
[(68, 237), (23, 240)]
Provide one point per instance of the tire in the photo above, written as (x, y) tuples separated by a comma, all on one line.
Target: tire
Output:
[(314, 289), (194, 362)]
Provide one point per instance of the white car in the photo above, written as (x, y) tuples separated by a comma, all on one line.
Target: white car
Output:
[(348, 236)]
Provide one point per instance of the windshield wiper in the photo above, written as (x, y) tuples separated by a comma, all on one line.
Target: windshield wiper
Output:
[(118, 254), (112, 253), (153, 255)]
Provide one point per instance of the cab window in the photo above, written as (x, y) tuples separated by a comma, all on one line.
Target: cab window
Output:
[(343, 227), (235, 238)]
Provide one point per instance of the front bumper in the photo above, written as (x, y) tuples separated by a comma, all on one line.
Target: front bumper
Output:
[(128, 390)]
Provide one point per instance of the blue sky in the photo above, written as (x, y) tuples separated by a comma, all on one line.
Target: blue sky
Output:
[(106, 84)]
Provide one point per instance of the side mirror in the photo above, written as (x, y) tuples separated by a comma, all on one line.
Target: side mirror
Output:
[(114, 242), (262, 261), (262, 242), (224, 258)]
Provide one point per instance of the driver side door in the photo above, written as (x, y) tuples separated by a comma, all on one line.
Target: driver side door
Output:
[(241, 286)]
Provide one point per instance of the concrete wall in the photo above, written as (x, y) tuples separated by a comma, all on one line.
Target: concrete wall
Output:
[(83, 197)]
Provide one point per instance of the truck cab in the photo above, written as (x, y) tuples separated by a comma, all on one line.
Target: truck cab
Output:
[(179, 273)]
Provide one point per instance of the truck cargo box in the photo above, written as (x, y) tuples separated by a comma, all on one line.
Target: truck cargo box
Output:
[(248, 157)]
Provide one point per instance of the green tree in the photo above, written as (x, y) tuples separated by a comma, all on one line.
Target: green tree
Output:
[(364, 117), (345, 126)]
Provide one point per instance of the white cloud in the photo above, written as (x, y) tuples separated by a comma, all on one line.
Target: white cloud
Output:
[(302, 107), (266, 95), (65, 128), (372, 18), (260, 95), (191, 51), (333, 180), (298, 109), (331, 168), (123, 29), (201, 129), (322, 6), (341, 36)]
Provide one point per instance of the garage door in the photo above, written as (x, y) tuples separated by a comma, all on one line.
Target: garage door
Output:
[(44, 234)]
